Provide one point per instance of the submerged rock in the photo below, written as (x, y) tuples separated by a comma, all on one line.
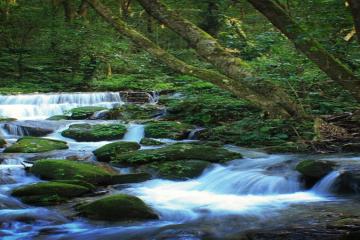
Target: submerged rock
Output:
[(105, 153), (179, 151), (84, 112), (119, 207), (35, 145), (49, 193), (167, 129), (98, 132), (177, 170), (150, 142)]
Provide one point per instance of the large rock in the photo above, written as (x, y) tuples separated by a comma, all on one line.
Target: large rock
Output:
[(98, 132), (315, 169), (105, 153), (349, 180), (167, 129), (136, 97), (49, 193), (179, 151), (129, 112), (35, 145), (71, 170), (130, 178), (6, 119), (177, 170), (58, 118), (150, 142), (2, 142), (84, 112), (30, 128), (119, 207)]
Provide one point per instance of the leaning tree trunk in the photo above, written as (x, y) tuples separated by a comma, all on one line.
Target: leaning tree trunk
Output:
[(235, 68), (216, 78), (355, 10), (336, 70)]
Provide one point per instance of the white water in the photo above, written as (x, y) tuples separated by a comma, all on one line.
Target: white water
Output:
[(42, 106), (135, 132), (324, 186)]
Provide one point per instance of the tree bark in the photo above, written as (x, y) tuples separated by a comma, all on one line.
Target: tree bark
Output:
[(69, 10), (238, 88), (330, 65), (235, 68), (355, 11)]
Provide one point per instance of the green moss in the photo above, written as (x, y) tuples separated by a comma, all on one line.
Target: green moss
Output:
[(119, 207), (48, 193), (98, 132), (150, 142), (315, 169), (5, 119), (2, 142), (36, 145), (84, 112), (105, 153), (58, 117), (130, 178), (70, 170), (178, 170), (129, 112), (167, 129), (179, 151)]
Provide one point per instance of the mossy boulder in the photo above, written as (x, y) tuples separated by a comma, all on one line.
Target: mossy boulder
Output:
[(2, 142), (49, 193), (105, 152), (314, 170), (98, 132), (84, 112), (167, 129), (58, 118), (119, 207), (178, 151), (177, 170), (130, 178), (71, 170), (150, 142), (6, 119), (129, 112), (35, 145)]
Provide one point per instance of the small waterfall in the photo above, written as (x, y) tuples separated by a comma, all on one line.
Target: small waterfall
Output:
[(15, 130), (42, 106), (192, 134), (135, 133), (324, 186)]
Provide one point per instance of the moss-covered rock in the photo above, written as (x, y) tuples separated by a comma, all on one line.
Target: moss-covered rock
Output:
[(49, 193), (179, 151), (6, 119), (105, 152), (71, 170), (119, 207), (315, 169), (150, 142), (2, 142), (177, 170), (36, 145), (129, 112), (84, 112), (167, 129), (98, 132), (58, 117), (130, 178)]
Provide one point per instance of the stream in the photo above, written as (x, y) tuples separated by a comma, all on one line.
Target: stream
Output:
[(261, 191)]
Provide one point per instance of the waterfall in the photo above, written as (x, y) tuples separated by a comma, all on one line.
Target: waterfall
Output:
[(135, 133), (42, 106), (324, 186)]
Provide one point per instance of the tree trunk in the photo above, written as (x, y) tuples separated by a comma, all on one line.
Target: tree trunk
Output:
[(355, 10), (69, 10), (333, 67), (83, 9), (235, 68), (238, 88)]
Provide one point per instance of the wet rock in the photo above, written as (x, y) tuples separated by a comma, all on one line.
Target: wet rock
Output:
[(167, 129), (49, 193), (130, 178), (129, 112), (2, 142), (5, 119), (84, 112), (71, 170), (98, 132), (315, 169), (35, 145), (105, 153), (179, 151), (30, 128), (119, 207), (349, 180), (58, 118), (150, 142), (177, 170), (351, 147), (136, 97)]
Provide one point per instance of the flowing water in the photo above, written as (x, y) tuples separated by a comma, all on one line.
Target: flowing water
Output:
[(253, 190)]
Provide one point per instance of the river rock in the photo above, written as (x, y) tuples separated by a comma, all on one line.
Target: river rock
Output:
[(31, 128), (119, 207), (178, 151), (49, 193), (150, 142), (315, 169), (98, 132), (35, 145), (6, 119), (58, 118), (84, 112), (349, 180), (130, 178), (105, 152), (136, 97), (167, 129), (177, 170), (2, 142), (129, 112)]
